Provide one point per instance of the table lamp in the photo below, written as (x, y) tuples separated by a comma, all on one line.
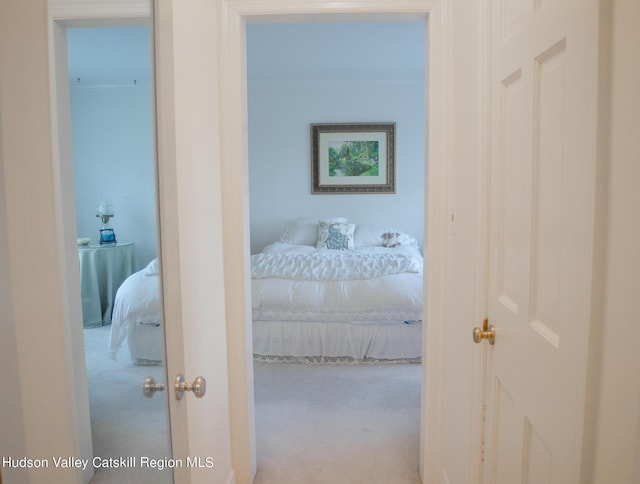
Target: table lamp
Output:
[(104, 210)]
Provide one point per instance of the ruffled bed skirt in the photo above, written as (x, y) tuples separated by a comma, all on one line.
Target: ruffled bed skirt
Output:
[(337, 342), (307, 342), (146, 344)]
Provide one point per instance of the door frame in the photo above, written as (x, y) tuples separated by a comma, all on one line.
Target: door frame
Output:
[(60, 15), (438, 205), (228, 27), (181, 355)]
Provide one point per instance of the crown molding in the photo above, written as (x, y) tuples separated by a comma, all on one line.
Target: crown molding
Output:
[(135, 11)]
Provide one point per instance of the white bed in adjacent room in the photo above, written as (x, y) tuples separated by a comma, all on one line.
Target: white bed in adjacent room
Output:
[(137, 317), (314, 304), (327, 292)]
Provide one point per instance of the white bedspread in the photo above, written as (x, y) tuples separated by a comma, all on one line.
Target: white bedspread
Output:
[(137, 302), (298, 263), (307, 291)]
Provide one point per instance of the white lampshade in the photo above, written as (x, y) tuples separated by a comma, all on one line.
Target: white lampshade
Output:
[(104, 209)]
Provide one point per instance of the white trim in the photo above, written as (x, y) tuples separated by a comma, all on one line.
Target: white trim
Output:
[(438, 205), (189, 161), (65, 214), (235, 200), (79, 13), (483, 246), (100, 10)]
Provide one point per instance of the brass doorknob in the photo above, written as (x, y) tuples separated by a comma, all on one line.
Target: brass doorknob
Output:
[(487, 332)]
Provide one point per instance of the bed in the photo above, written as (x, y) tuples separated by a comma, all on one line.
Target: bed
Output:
[(137, 317), (334, 291), (327, 291)]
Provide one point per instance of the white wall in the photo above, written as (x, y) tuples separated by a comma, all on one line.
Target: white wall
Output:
[(300, 74), (615, 435), (11, 418), (112, 133), (40, 406)]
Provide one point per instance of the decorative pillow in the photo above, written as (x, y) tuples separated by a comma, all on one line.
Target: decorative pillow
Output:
[(395, 239), (304, 231), (336, 236)]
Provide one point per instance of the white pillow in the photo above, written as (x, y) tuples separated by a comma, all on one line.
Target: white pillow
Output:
[(336, 236), (396, 238), (372, 235), (304, 231)]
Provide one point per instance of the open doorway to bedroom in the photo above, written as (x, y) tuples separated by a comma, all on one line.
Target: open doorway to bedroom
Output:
[(112, 124), (339, 418)]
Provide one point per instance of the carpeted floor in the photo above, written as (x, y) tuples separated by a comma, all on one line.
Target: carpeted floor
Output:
[(123, 421), (337, 424), (315, 424)]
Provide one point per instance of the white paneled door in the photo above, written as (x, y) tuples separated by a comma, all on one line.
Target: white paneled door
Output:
[(542, 169)]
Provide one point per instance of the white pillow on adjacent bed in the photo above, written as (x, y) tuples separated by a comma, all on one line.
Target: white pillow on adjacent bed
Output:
[(336, 236), (304, 231), (395, 238), (371, 235)]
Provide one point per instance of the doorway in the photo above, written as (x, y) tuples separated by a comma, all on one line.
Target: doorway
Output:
[(234, 177), (112, 137), (233, 193), (327, 72)]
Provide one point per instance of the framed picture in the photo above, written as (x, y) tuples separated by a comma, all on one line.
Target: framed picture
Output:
[(353, 158)]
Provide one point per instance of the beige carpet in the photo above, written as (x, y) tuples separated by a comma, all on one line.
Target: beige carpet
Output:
[(334, 424), (123, 421), (315, 424)]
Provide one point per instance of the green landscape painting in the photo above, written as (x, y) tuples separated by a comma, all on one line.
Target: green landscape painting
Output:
[(353, 158)]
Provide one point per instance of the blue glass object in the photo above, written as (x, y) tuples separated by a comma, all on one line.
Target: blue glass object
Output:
[(107, 236)]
